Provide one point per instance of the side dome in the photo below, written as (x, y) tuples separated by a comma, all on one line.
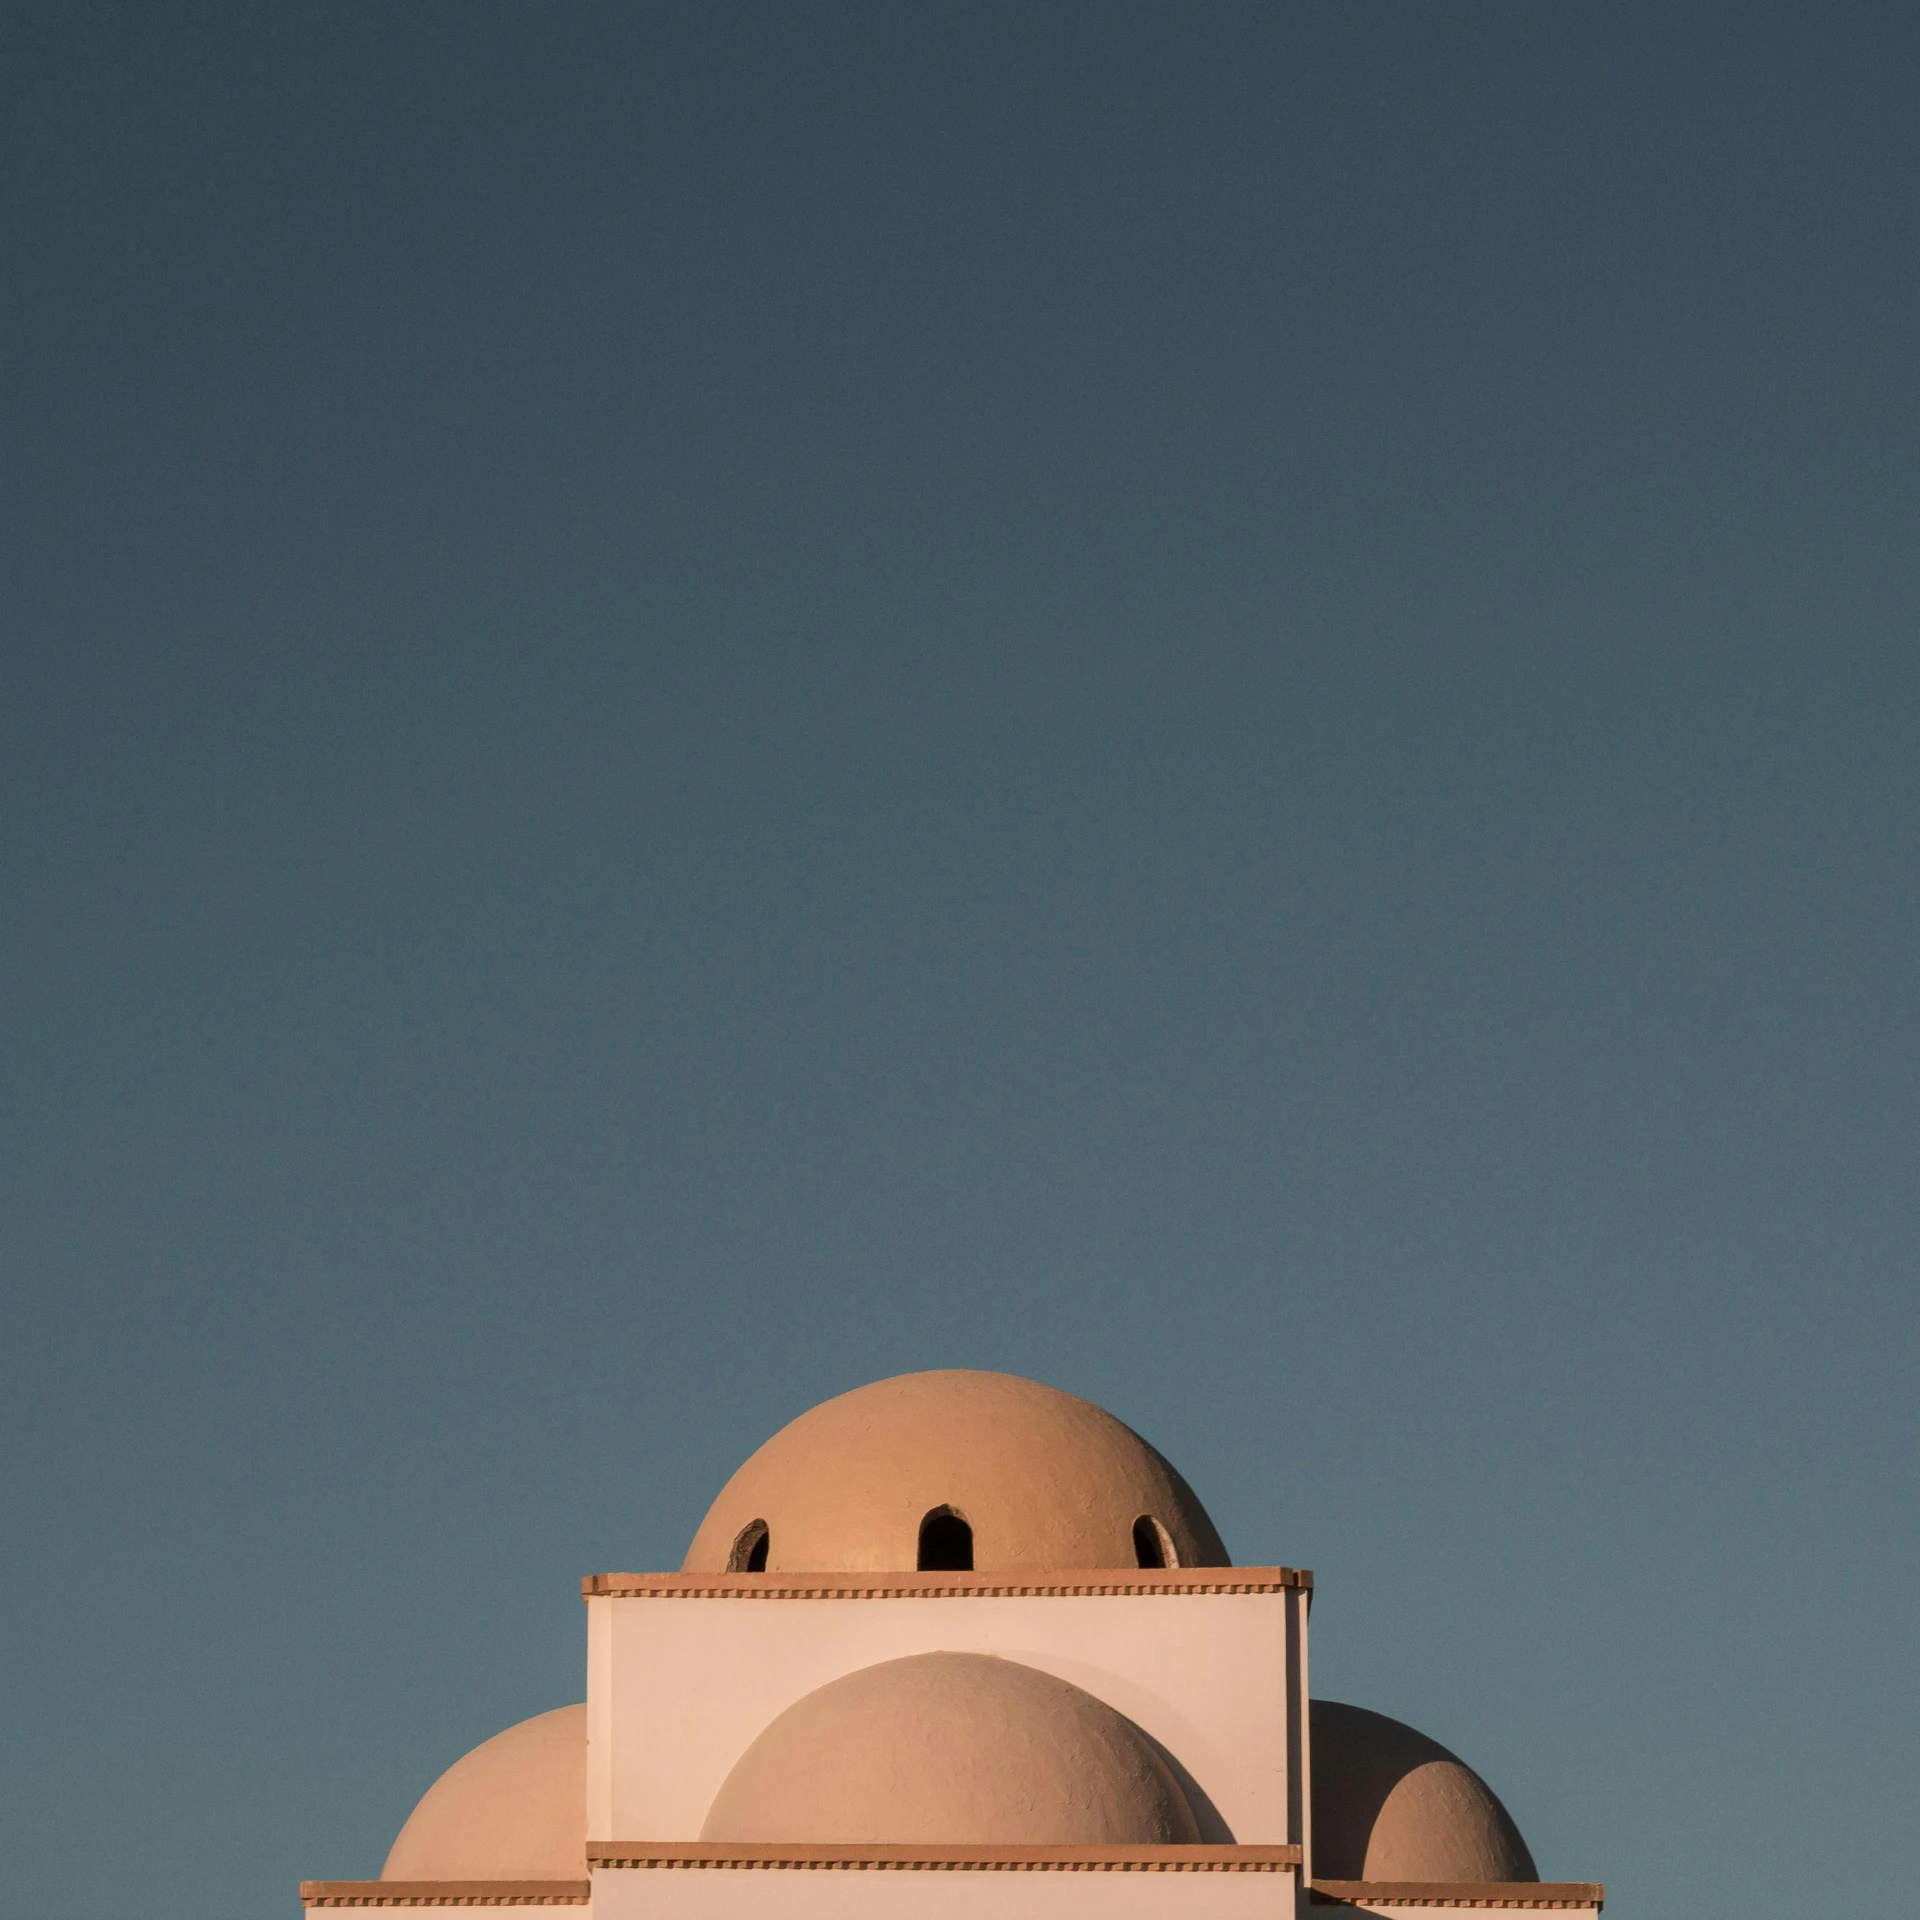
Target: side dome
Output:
[(1390, 1804), (515, 1808), (952, 1749), (1024, 1478)]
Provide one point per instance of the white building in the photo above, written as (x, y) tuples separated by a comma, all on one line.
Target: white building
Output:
[(951, 1645)]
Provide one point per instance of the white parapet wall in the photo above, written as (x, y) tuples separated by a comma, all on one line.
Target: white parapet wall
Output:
[(685, 1671), (1214, 1883)]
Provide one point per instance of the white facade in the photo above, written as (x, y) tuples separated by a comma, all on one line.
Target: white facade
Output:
[(684, 1670), (735, 1894)]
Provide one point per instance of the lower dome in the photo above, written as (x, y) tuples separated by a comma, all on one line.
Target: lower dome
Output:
[(1390, 1804), (515, 1808), (952, 1749)]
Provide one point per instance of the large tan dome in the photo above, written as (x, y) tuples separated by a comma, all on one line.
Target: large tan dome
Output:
[(1042, 1481), (1390, 1804), (952, 1749), (515, 1808)]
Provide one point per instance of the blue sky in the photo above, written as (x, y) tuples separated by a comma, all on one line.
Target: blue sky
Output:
[(697, 707)]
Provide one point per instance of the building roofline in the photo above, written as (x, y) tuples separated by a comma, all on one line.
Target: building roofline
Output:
[(950, 1858), (1048, 1584)]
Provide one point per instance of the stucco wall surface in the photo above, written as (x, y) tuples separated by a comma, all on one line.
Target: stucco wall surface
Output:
[(735, 1894), (678, 1689)]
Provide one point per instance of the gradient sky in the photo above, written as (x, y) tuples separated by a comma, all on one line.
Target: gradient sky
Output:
[(1218, 704)]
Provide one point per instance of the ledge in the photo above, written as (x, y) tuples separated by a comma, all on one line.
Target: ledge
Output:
[(849, 1857), (445, 1893), (1103, 1581), (1457, 1893)]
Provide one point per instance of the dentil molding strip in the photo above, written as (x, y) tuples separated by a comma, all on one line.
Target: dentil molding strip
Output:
[(847, 1857), (445, 1893), (1099, 1581)]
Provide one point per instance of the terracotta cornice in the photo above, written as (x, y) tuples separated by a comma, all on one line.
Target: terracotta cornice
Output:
[(1102, 1581), (1457, 1893), (849, 1857), (445, 1893)]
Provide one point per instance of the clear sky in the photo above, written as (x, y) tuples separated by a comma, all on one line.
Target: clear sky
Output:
[(1220, 704)]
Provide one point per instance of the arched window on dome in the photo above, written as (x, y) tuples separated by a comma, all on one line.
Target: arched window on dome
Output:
[(1153, 1544), (946, 1542), (749, 1553)]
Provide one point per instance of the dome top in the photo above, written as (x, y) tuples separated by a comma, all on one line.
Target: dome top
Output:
[(952, 1749), (1390, 1804), (954, 1469), (515, 1808)]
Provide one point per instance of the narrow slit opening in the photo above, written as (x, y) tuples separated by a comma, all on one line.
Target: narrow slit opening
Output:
[(1152, 1544), (946, 1543), (749, 1553)]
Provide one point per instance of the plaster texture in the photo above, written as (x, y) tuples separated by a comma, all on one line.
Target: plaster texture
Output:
[(736, 1895), (1045, 1480), (512, 1809), (1391, 1804), (952, 1748), (682, 1687)]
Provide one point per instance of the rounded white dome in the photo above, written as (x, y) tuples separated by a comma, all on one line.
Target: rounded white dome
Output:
[(1390, 1804), (515, 1808), (952, 1749), (1038, 1478)]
